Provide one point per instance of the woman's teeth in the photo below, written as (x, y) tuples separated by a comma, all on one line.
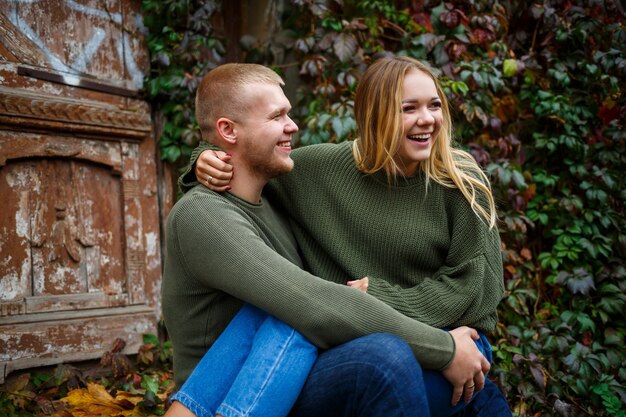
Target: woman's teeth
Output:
[(419, 138)]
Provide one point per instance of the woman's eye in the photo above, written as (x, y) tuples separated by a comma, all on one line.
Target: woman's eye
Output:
[(407, 109), (436, 104)]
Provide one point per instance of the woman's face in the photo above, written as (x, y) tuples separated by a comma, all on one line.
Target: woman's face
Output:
[(421, 120)]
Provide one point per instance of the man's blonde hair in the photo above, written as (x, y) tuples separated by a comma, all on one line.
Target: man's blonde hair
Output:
[(221, 93), (378, 113)]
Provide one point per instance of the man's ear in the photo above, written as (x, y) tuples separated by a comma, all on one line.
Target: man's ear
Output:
[(226, 130)]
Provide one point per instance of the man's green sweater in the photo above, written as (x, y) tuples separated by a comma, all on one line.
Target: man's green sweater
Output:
[(427, 255)]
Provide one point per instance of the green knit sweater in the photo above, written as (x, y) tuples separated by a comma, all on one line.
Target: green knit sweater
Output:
[(221, 250), (425, 251)]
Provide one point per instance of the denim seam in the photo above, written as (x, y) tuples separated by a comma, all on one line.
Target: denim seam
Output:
[(227, 411), (394, 389), (193, 406)]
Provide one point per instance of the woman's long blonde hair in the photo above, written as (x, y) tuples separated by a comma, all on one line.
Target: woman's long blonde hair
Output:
[(378, 113)]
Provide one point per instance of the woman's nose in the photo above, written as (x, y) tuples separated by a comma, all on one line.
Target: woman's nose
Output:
[(425, 119)]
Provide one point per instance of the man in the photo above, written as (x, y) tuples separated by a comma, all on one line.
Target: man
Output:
[(253, 258)]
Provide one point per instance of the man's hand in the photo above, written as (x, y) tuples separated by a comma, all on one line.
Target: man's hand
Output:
[(467, 371), (213, 170), (360, 284)]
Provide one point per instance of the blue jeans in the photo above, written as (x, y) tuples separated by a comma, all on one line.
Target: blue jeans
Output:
[(331, 392), (256, 367), (371, 376), (259, 365), (490, 402)]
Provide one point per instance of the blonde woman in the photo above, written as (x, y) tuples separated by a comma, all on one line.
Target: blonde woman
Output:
[(402, 206)]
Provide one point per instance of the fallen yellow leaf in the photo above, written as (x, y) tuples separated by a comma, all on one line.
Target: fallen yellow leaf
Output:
[(125, 397), (96, 401)]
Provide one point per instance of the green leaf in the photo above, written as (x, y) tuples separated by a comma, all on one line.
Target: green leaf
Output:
[(337, 124), (612, 305), (149, 338), (150, 383), (586, 323), (323, 120), (509, 67), (613, 337), (518, 180)]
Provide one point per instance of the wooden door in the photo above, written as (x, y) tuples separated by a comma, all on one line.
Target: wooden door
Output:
[(79, 213)]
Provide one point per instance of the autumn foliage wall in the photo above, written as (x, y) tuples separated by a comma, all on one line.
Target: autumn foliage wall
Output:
[(538, 93)]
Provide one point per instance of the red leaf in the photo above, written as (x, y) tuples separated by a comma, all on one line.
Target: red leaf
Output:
[(118, 345), (345, 46)]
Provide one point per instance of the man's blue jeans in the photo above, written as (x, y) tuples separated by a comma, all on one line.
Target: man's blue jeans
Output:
[(259, 367)]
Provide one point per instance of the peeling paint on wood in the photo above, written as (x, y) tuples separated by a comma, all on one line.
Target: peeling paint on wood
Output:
[(98, 37), (79, 227), (39, 342)]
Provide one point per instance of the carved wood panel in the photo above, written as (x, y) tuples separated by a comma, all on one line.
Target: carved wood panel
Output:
[(59, 243)]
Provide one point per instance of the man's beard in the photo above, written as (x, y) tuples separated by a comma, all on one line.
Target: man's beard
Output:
[(267, 167)]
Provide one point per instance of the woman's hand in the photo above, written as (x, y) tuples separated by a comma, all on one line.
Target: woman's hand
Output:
[(467, 371), (213, 170), (360, 284)]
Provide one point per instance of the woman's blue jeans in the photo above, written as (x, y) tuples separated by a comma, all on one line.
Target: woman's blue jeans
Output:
[(260, 366)]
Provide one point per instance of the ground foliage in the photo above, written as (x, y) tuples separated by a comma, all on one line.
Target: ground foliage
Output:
[(537, 90), (119, 387)]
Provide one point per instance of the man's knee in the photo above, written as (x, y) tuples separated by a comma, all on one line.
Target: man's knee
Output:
[(389, 353)]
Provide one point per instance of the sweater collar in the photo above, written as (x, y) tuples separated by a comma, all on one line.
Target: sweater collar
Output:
[(400, 181), (242, 202)]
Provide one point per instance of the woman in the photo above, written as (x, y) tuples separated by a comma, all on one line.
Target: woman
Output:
[(399, 205)]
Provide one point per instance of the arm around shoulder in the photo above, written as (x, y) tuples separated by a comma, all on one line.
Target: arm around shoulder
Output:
[(188, 178)]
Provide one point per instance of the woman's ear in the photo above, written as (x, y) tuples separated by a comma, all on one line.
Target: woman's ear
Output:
[(226, 130)]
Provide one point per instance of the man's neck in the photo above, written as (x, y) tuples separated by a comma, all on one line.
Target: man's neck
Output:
[(246, 184)]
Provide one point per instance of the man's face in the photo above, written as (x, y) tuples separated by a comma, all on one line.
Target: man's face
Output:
[(264, 133)]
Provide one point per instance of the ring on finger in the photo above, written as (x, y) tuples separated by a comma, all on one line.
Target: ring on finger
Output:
[(209, 179), (470, 386)]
